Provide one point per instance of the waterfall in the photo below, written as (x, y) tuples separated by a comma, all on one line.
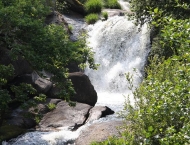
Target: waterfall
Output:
[(120, 47)]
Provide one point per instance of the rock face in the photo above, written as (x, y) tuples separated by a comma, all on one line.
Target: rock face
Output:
[(99, 111), (99, 132), (66, 116), (76, 6), (85, 92), (40, 84), (17, 116)]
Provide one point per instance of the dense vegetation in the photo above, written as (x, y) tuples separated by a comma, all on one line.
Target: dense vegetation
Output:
[(24, 34), (94, 7), (161, 115)]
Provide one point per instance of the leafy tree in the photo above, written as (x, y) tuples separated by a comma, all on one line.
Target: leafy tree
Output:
[(145, 9), (46, 47)]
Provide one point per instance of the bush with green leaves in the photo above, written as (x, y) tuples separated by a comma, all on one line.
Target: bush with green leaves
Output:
[(51, 106), (144, 9), (112, 4), (45, 47), (161, 113), (61, 6), (93, 6), (91, 18)]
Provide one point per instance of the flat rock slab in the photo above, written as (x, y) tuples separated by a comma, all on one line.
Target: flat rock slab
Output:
[(99, 132), (66, 116)]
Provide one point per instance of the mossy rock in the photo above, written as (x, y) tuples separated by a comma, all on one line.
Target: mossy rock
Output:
[(8, 132)]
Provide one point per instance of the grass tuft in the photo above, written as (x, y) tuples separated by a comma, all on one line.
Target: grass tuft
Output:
[(91, 18), (112, 4), (93, 6)]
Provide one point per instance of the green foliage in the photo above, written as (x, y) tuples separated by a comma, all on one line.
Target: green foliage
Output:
[(93, 6), (70, 27), (112, 4), (51, 106), (91, 18), (45, 47), (161, 114), (174, 35), (105, 15), (146, 9), (61, 6)]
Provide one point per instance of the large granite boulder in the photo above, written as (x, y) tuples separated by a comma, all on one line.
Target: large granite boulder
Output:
[(99, 132), (85, 92), (66, 116)]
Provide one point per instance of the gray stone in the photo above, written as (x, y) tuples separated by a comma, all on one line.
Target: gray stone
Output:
[(99, 132), (18, 117), (85, 92), (66, 116), (42, 85)]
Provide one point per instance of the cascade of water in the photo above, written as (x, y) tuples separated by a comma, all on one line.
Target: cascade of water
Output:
[(119, 48)]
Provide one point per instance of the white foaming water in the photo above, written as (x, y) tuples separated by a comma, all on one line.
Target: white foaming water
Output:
[(119, 48), (124, 5)]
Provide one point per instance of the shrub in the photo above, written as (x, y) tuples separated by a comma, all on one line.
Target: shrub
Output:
[(162, 104), (112, 4), (91, 18), (70, 27), (93, 6), (51, 106), (105, 15)]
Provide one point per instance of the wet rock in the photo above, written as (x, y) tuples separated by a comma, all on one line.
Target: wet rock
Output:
[(98, 112), (78, 24), (85, 92), (66, 116), (99, 132)]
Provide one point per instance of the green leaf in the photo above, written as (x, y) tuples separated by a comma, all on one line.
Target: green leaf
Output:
[(156, 10), (150, 128)]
